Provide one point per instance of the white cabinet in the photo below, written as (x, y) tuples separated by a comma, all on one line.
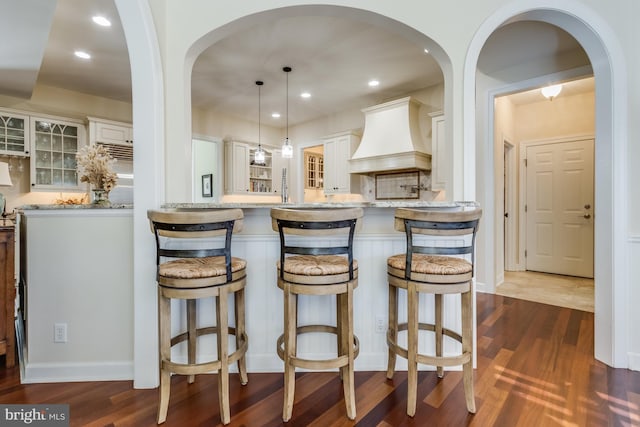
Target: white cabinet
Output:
[(236, 165), (338, 149), (54, 145), (244, 176), (277, 164), (439, 152), (110, 132), (14, 134)]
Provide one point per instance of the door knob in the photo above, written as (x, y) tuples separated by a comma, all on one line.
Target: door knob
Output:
[(587, 216), (587, 206)]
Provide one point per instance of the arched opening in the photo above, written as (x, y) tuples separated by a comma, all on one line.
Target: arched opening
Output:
[(606, 60), (368, 40)]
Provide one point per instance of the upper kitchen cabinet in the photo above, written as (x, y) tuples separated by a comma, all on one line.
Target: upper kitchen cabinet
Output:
[(244, 176), (439, 152), (338, 149), (14, 134), (110, 132), (54, 145)]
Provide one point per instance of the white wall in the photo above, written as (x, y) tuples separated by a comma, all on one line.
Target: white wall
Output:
[(78, 271)]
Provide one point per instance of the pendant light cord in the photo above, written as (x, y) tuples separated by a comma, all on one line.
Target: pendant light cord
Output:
[(287, 70), (259, 83)]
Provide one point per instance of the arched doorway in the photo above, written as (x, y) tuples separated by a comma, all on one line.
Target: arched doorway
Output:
[(604, 53)]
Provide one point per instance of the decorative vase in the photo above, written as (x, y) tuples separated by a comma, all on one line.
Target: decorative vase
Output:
[(100, 197)]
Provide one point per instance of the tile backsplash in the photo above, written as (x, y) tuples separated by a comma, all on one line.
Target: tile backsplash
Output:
[(399, 186)]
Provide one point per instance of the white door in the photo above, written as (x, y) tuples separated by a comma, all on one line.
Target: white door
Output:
[(559, 208)]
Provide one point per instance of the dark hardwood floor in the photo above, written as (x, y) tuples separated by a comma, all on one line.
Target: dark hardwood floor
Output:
[(535, 368)]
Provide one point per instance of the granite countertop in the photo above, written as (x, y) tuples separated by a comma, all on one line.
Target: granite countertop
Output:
[(71, 206), (376, 204)]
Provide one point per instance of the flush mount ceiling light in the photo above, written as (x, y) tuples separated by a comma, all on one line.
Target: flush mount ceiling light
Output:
[(373, 83), (287, 148), (258, 157), (305, 95), (101, 20), (82, 54), (275, 115), (551, 92)]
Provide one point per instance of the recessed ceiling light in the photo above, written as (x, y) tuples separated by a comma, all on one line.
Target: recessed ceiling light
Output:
[(102, 21), (82, 54), (426, 50), (373, 83), (305, 95), (275, 115)]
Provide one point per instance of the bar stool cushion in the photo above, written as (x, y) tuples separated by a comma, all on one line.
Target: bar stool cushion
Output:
[(431, 264), (197, 268), (318, 265)]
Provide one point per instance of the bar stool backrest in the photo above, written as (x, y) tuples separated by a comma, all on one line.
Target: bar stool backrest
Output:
[(168, 225), (315, 223), (437, 223)]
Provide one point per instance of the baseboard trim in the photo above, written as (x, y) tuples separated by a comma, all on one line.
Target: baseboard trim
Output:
[(74, 372), (634, 361)]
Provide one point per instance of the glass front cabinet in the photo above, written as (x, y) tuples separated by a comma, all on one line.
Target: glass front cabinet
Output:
[(55, 144), (14, 134)]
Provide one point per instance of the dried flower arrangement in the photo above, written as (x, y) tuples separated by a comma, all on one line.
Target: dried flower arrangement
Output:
[(95, 166)]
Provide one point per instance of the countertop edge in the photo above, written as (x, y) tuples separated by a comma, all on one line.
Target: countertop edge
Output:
[(381, 204)]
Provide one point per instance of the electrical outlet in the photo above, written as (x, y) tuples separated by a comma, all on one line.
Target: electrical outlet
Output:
[(381, 325), (60, 332)]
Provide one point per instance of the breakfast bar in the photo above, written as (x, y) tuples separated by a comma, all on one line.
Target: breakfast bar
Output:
[(100, 269)]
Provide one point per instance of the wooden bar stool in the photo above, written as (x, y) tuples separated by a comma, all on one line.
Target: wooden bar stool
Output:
[(433, 263), (310, 265), (194, 261)]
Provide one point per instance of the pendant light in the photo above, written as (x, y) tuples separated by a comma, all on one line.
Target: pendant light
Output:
[(287, 148), (258, 157), (551, 92)]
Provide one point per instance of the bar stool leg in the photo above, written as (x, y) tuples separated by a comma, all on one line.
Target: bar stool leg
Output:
[(290, 324), (346, 337), (392, 332), (412, 348), (341, 334), (240, 332), (438, 331), (192, 335), (164, 335), (467, 347), (222, 322)]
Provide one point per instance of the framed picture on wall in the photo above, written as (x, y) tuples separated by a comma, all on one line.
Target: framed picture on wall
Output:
[(207, 185)]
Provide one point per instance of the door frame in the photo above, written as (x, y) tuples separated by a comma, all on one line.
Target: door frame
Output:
[(522, 232), (511, 233)]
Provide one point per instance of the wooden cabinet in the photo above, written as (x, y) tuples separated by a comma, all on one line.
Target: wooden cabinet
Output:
[(338, 149), (7, 292), (439, 153), (55, 144), (14, 134), (243, 176), (313, 170)]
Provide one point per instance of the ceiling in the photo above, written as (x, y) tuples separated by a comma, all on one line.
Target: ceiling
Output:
[(332, 57)]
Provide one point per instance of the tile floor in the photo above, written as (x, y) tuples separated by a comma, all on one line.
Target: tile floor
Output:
[(563, 291)]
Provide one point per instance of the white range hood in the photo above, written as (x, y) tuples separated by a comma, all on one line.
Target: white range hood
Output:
[(391, 140)]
